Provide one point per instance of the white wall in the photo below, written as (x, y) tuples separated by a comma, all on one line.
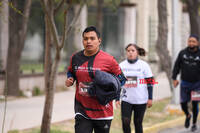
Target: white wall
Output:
[(28, 83), (33, 48)]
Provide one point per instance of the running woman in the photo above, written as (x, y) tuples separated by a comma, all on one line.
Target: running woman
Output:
[(138, 90)]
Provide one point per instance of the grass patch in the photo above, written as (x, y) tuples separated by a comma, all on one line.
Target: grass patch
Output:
[(29, 68), (158, 113), (154, 115), (37, 68), (14, 131)]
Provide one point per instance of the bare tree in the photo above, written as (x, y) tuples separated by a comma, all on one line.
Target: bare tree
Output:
[(193, 10), (18, 21), (161, 45), (53, 40)]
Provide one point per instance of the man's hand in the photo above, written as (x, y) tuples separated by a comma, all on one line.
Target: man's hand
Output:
[(149, 103), (69, 82), (175, 83), (117, 104)]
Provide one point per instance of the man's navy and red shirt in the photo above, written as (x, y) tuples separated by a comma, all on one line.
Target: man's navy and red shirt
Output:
[(81, 67)]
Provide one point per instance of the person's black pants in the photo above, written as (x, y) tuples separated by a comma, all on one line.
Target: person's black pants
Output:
[(126, 113), (195, 110), (83, 125)]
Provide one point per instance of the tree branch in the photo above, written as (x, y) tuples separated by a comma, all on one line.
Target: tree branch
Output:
[(74, 20), (68, 30), (65, 26), (161, 44), (59, 7), (65, 29), (51, 22), (27, 8)]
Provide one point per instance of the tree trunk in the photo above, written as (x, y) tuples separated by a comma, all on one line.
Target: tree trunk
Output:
[(161, 45), (47, 113), (193, 9), (51, 70), (17, 34), (99, 22), (49, 100), (12, 72)]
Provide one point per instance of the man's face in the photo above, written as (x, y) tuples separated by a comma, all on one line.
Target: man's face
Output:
[(192, 42), (91, 42)]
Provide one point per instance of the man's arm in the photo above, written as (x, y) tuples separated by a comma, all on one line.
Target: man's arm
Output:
[(177, 67), (122, 78), (116, 70), (70, 76), (176, 70), (70, 80), (150, 82)]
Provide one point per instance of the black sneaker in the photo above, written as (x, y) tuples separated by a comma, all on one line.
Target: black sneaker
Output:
[(187, 121), (193, 128)]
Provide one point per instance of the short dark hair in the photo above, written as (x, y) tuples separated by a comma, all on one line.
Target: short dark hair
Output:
[(195, 36), (91, 28)]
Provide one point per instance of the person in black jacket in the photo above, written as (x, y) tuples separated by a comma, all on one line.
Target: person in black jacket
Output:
[(188, 64)]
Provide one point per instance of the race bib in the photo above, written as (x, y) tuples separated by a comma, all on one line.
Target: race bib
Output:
[(195, 95), (131, 82), (84, 88)]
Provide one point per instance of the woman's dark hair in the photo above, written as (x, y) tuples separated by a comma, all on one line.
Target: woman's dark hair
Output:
[(91, 28), (140, 51)]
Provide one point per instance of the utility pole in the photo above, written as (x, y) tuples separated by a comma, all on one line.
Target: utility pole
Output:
[(176, 43)]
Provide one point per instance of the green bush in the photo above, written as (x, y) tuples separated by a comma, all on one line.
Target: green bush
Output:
[(36, 91), (21, 93)]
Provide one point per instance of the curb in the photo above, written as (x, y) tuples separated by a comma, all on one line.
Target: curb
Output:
[(171, 109), (169, 124)]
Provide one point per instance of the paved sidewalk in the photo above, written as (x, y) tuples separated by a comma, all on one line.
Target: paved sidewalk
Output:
[(180, 129), (27, 112), (162, 89)]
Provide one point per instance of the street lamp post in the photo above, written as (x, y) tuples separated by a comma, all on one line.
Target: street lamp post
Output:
[(176, 42)]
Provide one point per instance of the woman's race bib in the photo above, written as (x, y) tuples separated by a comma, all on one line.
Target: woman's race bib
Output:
[(131, 82)]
